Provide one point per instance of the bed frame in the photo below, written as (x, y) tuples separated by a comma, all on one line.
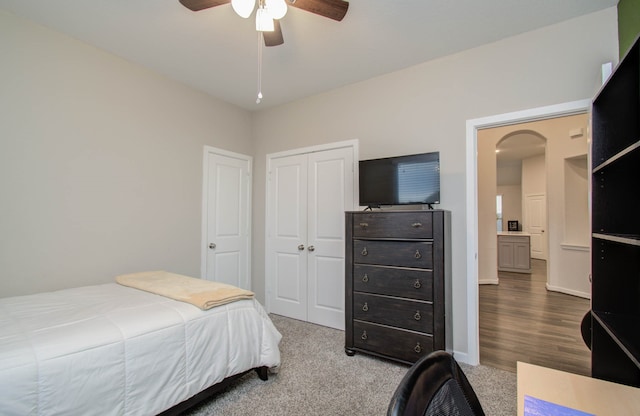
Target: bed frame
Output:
[(205, 394)]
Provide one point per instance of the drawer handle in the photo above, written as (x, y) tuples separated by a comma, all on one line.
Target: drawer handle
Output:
[(417, 255), (364, 335), (417, 316), (418, 348), (364, 225), (416, 225), (417, 284), (365, 307), (365, 278), (364, 251)]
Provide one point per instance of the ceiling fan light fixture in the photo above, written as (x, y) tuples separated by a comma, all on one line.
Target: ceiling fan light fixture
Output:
[(243, 8), (277, 8), (264, 21)]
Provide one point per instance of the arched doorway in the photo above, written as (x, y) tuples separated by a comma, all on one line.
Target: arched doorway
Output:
[(521, 181)]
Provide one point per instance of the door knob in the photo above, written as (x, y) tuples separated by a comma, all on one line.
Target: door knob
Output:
[(301, 247), (311, 248), (212, 246)]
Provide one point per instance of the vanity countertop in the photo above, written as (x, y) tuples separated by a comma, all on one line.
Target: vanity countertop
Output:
[(514, 233)]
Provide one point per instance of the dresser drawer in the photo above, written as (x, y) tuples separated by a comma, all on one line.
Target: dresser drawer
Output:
[(417, 254), (386, 310), (393, 225), (393, 281), (404, 345)]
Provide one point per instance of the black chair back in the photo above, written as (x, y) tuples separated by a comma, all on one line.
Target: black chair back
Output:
[(435, 386)]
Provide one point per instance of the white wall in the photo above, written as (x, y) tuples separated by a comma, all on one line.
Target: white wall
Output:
[(487, 191), (100, 163), (509, 185), (511, 204), (534, 178), (576, 207), (425, 108), (570, 274), (509, 173)]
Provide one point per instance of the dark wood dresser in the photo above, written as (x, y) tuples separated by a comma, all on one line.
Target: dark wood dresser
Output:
[(397, 293)]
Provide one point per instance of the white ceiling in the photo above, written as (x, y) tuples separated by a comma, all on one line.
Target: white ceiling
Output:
[(216, 51)]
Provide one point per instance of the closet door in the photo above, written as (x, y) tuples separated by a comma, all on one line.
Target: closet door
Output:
[(330, 193), (308, 194), (286, 263)]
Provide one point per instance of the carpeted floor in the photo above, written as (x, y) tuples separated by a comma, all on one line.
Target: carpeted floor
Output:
[(317, 378)]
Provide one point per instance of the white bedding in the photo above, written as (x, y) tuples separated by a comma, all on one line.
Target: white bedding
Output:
[(114, 350)]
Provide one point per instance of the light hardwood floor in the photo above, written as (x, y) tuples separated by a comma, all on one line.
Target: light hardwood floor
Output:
[(521, 321)]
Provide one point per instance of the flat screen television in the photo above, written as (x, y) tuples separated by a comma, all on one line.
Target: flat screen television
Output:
[(400, 180)]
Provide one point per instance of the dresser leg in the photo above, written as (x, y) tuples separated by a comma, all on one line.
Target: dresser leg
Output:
[(349, 352)]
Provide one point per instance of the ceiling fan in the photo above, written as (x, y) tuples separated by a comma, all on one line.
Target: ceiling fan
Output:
[(269, 12)]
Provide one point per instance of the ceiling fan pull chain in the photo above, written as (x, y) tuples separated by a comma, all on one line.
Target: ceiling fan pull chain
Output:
[(259, 68)]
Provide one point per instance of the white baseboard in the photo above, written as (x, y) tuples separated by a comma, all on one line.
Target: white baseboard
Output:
[(462, 357), (580, 294)]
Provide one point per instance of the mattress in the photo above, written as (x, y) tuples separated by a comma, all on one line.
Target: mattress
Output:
[(113, 350)]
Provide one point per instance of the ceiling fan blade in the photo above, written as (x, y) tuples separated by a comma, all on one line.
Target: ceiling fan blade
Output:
[(196, 5), (273, 38), (333, 9)]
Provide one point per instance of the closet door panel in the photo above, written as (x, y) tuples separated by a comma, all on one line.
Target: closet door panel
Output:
[(287, 235), (330, 192)]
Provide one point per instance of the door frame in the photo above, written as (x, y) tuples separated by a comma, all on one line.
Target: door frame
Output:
[(293, 152), (208, 150), (472, 355)]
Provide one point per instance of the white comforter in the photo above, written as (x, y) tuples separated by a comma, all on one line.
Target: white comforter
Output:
[(113, 350)]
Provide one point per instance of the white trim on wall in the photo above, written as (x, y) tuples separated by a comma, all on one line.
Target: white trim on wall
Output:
[(574, 107), (568, 291)]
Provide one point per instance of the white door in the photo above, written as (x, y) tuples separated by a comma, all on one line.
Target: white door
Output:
[(330, 194), (535, 224), (308, 194), (226, 222), (286, 261)]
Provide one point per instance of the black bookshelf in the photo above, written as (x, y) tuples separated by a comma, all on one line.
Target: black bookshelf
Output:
[(615, 290)]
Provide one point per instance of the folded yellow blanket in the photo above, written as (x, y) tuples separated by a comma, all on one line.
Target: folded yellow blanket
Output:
[(204, 294)]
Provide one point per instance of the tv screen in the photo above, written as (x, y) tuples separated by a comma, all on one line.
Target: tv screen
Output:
[(400, 180)]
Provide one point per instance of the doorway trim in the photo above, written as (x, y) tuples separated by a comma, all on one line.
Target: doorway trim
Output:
[(473, 125)]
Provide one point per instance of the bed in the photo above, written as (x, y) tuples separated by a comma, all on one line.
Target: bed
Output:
[(114, 350)]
